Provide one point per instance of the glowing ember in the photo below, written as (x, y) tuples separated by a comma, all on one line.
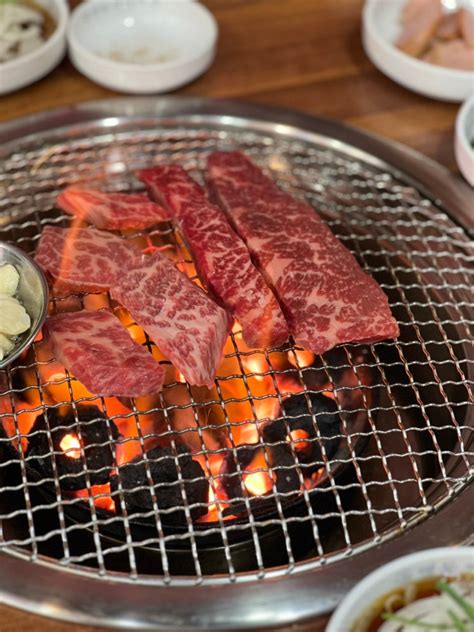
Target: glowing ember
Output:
[(300, 358), (237, 330), (71, 446), (256, 365), (247, 433), (100, 494), (298, 437), (151, 248), (94, 302), (257, 483), (25, 418), (266, 408), (260, 482)]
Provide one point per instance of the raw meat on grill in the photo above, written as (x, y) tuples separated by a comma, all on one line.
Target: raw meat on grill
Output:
[(185, 323), (97, 350), (83, 259), (221, 257), (325, 295), (112, 211)]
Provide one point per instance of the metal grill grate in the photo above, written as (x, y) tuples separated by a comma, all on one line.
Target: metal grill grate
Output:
[(411, 454)]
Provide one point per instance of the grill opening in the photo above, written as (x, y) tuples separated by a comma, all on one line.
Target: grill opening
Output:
[(290, 457)]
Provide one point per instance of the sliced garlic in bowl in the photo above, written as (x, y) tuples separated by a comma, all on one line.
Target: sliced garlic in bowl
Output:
[(9, 279), (14, 319), (6, 346), (23, 302)]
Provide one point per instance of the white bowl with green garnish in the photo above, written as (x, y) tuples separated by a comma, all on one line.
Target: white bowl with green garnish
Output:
[(464, 140), (32, 40), (425, 591)]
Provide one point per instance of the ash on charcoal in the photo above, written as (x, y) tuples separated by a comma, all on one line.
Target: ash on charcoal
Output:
[(295, 415), (93, 435), (167, 488)]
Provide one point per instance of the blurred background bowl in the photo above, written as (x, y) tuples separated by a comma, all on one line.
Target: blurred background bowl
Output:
[(32, 293), (142, 46), (28, 68), (464, 140), (445, 561), (380, 30)]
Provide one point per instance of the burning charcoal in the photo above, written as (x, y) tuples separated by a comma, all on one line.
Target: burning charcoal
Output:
[(348, 374), (253, 464), (283, 465), (168, 492), (231, 478), (296, 416), (67, 442)]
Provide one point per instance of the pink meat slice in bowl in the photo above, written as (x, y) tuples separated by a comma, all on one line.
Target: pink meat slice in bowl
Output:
[(420, 21)]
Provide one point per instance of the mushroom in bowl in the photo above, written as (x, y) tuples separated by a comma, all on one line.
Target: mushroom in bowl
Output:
[(32, 40)]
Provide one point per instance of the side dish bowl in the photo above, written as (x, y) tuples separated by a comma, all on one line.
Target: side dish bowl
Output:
[(32, 293), (26, 69), (464, 140), (142, 46), (380, 30), (445, 561)]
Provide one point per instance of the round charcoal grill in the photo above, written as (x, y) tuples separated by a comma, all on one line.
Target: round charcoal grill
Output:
[(327, 467)]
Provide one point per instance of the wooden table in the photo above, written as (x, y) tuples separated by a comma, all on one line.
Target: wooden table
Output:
[(303, 54)]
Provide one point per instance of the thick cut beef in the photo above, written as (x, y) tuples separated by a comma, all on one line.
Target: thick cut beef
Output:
[(186, 324), (83, 259), (325, 295), (98, 351), (221, 257), (112, 211)]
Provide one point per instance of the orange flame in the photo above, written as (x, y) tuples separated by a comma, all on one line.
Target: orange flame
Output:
[(256, 365), (260, 482), (300, 358)]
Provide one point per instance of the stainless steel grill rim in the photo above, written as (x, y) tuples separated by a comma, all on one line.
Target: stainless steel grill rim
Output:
[(356, 191)]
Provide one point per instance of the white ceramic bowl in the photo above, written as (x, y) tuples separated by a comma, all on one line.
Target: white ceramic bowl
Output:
[(26, 69), (174, 41), (464, 140), (381, 28), (450, 561)]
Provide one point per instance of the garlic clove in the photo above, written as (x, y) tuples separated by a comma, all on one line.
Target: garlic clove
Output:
[(6, 346), (9, 279), (13, 317)]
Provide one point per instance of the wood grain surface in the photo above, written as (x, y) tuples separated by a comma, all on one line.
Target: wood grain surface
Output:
[(302, 54)]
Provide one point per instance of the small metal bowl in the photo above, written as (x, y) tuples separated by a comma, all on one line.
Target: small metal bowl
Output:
[(32, 293)]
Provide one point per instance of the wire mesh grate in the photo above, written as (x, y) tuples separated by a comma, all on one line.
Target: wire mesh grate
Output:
[(402, 449)]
